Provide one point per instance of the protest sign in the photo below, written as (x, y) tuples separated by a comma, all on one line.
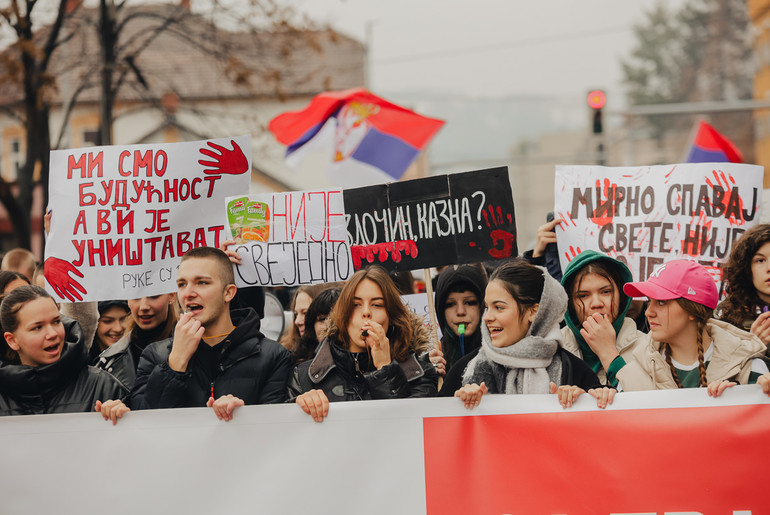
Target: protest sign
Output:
[(123, 216), (654, 452), (446, 219), (418, 304), (645, 215), (289, 238)]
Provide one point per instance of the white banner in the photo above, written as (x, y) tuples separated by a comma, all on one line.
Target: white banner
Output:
[(645, 215), (124, 215), (290, 238), (512, 454)]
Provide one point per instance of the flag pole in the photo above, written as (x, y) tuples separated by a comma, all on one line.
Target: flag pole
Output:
[(691, 139), (432, 314)]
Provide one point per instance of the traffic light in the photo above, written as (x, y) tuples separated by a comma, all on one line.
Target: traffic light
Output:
[(596, 100)]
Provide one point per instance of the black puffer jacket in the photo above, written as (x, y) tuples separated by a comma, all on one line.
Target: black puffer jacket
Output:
[(67, 386), (249, 366), (348, 376)]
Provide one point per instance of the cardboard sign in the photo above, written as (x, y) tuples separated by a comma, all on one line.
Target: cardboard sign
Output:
[(645, 215), (446, 219), (123, 216), (289, 238)]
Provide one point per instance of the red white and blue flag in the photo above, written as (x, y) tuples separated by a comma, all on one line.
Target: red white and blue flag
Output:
[(364, 138), (709, 146)]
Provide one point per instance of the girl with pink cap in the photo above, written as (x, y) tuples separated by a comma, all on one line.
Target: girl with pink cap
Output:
[(686, 347)]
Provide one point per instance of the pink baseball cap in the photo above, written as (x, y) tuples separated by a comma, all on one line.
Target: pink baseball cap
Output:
[(675, 279)]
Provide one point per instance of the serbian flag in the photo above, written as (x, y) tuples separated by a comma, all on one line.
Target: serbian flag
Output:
[(711, 147), (360, 138)]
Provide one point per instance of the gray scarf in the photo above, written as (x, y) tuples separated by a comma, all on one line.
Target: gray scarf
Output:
[(531, 364)]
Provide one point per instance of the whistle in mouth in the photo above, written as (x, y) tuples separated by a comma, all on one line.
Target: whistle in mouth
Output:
[(364, 333), (461, 329)]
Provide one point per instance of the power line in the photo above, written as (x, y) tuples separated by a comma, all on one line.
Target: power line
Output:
[(498, 46)]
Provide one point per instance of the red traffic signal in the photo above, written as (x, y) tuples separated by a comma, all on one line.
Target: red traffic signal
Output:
[(596, 99)]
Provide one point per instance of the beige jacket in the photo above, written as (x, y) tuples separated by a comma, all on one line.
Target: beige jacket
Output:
[(626, 341), (733, 351)]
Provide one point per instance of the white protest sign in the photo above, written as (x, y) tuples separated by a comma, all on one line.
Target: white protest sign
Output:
[(289, 238), (418, 304), (123, 216), (645, 215)]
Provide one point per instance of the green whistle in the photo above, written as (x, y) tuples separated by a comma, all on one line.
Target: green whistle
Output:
[(461, 329)]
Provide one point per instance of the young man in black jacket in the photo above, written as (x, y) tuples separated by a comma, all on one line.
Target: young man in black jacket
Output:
[(214, 359)]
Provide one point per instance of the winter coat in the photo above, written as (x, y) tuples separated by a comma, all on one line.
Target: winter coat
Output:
[(733, 351), (67, 386), (625, 341), (475, 281), (118, 361), (249, 366), (574, 372), (121, 359), (348, 376)]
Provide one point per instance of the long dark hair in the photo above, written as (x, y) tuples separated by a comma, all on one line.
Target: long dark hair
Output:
[(602, 269), (9, 312), (524, 281), (320, 308), (742, 299)]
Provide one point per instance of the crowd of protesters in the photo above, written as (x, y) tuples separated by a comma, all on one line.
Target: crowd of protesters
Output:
[(521, 326)]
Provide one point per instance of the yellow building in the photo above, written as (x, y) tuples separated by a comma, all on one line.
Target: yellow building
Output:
[(759, 14)]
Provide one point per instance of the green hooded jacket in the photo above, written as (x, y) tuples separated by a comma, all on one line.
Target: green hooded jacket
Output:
[(589, 356)]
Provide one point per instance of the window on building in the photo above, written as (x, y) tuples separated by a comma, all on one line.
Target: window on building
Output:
[(91, 138)]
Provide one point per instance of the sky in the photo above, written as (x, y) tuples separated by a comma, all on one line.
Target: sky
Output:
[(491, 48)]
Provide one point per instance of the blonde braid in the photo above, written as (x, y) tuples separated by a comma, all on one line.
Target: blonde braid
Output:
[(671, 365), (701, 362)]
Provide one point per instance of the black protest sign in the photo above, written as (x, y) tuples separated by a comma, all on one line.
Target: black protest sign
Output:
[(458, 218)]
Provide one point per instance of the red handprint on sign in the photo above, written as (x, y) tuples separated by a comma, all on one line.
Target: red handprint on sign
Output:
[(227, 161), (57, 274), (502, 240), (573, 253)]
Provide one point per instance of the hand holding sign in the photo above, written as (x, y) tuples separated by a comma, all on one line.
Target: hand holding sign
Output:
[(57, 274), (227, 161)]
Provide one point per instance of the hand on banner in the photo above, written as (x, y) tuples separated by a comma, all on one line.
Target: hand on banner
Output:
[(57, 273), (231, 162), (471, 394), (567, 394), (603, 396), (187, 336), (314, 403), (764, 382), (546, 234), (761, 327), (716, 388), (599, 334), (111, 410), (438, 361), (224, 406), (378, 342), (234, 257)]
